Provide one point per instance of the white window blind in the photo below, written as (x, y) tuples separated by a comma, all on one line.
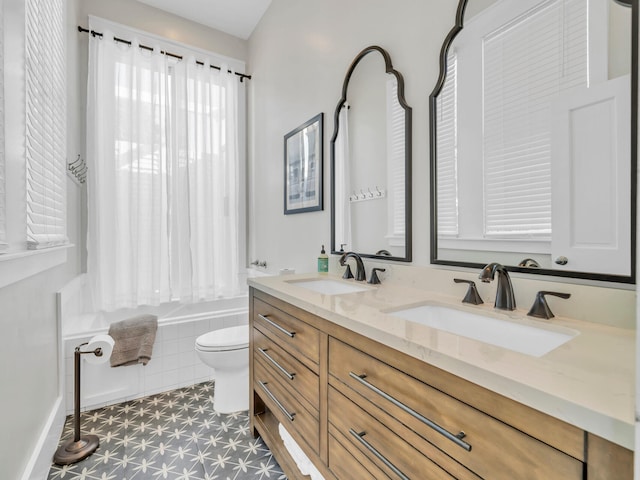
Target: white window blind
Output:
[(396, 128), (527, 62), (3, 194), (446, 146), (45, 123)]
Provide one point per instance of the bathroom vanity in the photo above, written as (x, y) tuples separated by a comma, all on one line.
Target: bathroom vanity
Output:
[(366, 394)]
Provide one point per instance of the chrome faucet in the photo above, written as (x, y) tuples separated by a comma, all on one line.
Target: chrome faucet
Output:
[(505, 299), (360, 273)]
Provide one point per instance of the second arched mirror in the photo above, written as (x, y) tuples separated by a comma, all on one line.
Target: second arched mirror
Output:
[(533, 138), (371, 161)]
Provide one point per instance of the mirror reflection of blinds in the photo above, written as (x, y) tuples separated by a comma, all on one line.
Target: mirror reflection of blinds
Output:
[(527, 63), (396, 159), (3, 192), (45, 123), (446, 146)]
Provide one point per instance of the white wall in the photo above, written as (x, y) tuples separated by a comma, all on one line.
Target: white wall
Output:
[(143, 17), (298, 57), (29, 355), (29, 358)]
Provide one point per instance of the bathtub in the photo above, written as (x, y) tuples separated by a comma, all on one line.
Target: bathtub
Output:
[(174, 363)]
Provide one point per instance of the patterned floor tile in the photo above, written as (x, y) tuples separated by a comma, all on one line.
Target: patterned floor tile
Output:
[(175, 435)]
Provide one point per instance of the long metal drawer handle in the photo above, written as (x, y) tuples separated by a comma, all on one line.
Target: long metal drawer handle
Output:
[(274, 324), (276, 401), (457, 439), (290, 376), (379, 456)]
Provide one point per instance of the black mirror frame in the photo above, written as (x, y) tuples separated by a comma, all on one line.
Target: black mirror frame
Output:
[(631, 279), (408, 154)]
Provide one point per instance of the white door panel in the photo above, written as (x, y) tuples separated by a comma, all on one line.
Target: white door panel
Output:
[(591, 187)]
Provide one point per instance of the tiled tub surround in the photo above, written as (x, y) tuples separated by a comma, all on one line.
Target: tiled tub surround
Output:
[(587, 382), (174, 362)]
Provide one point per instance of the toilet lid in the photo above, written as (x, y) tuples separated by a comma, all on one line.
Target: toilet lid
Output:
[(232, 338)]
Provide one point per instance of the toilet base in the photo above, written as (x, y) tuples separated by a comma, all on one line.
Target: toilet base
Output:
[(231, 391)]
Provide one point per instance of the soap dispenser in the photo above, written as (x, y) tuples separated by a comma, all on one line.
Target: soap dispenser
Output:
[(323, 261)]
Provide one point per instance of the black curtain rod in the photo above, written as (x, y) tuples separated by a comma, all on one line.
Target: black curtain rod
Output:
[(169, 54)]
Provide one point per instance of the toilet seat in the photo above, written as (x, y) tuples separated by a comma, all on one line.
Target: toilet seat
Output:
[(226, 339)]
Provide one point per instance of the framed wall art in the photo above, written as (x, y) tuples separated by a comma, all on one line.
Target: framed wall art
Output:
[(303, 158)]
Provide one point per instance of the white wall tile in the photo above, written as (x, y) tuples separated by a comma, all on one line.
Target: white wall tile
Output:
[(187, 344), (170, 332), (170, 347), (170, 378), (201, 328), (154, 366), (186, 330), (174, 364)]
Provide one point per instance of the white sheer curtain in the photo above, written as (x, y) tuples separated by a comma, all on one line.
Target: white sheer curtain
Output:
[(342, 185), (163, 178)]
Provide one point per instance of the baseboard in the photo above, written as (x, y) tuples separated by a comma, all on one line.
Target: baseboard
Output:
[(40, 461)]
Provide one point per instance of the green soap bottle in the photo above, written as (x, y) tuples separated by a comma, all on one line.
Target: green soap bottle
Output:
[(323, 261)]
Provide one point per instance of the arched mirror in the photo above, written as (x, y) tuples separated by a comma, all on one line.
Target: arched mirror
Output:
[(371, 161), (533, 138)]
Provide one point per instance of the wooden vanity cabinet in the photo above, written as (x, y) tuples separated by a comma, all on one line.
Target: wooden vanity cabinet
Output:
[(362, 410), (488, 447), (286, 378)]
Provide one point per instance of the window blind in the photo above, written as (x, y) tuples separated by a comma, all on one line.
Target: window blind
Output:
[(3, 194), (396, 128), (446, 146), (45, 123), (527, 63)]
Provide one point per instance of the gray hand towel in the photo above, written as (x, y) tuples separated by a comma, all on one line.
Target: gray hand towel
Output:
[(134, 340)]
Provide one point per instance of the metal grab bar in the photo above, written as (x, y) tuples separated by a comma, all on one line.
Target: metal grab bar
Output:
[(276, 401), (457, 439), (272, 323), (290, 376), (378, 455)]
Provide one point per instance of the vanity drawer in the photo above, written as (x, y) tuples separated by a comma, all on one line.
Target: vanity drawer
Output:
[(344, 464), (488, 447), (291, 373), (290, 332), (282, 403), (377, 448)]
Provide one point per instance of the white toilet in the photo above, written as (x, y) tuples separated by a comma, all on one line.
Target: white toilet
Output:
[(227, 351)]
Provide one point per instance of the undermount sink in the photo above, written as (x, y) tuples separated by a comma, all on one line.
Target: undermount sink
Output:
[(329, 287), (525, 338)]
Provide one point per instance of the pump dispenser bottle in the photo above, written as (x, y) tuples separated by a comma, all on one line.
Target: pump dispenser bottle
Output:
[(323, 261)]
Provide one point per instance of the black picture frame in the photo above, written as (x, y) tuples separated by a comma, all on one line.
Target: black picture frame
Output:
[(304, 166)]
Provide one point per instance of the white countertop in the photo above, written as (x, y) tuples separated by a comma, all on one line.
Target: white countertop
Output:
[(587, 382)]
